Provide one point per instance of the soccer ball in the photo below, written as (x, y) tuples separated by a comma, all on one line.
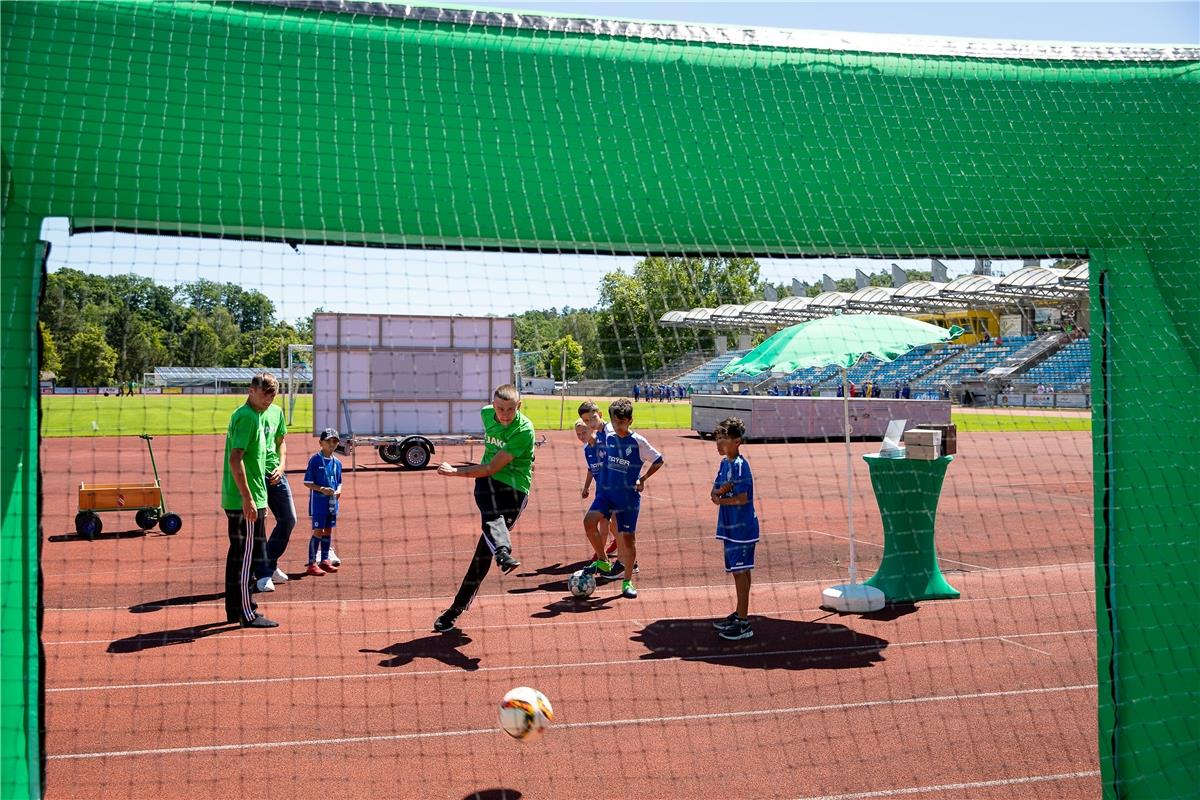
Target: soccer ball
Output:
[(581, 584), (525, 713)]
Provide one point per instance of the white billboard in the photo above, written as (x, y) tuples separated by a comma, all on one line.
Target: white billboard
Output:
[(390, 375)]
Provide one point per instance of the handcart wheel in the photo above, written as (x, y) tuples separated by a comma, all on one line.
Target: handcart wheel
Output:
[(88, 525), (170, 524), (146, 518)]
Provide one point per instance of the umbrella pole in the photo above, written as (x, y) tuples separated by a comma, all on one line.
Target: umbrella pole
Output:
[(849, 475)]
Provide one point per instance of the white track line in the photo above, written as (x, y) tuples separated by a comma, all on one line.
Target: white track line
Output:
[(572, 620), (215, 748), (953, 787), (985, 572), (561, 666), (1027, 647)]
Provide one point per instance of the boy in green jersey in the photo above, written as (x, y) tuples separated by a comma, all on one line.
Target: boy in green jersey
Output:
[(502, 483)]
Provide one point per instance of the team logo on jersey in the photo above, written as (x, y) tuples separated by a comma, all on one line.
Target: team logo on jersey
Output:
[(628, 449)]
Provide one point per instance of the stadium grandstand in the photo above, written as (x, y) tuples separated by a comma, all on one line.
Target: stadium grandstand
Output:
[(221, 380), (1001, 350)]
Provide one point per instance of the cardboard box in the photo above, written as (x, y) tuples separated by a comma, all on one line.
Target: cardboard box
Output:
[(919, 437), (949, 436), (922, 452)]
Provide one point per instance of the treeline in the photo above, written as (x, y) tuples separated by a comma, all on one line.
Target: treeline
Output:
[(99, 330)]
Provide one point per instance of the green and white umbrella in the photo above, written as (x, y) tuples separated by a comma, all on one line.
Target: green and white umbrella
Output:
[(842, 341)]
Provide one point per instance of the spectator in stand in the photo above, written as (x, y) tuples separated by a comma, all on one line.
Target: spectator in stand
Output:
[(906, 391)]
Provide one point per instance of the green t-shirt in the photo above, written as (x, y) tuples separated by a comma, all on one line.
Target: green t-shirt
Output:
[(246, 433), (516, 439), (274, 426)]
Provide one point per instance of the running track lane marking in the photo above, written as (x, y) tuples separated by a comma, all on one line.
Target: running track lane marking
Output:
[(567, 665), (215, 748), (985, 573), (1062, 776)]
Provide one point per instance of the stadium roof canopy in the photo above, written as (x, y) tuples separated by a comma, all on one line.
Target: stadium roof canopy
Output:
[(205, 376), (1028, 284)]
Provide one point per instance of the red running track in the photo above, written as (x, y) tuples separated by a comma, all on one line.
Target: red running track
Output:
[(990, 696)]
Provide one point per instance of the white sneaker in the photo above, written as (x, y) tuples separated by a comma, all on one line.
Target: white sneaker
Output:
[(333, 559), (266, 585), (280, 576)]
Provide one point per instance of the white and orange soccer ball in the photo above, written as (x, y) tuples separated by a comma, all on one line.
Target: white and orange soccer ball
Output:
[(525, 713)]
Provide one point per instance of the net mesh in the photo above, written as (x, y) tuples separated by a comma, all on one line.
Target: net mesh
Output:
[(440, 203)]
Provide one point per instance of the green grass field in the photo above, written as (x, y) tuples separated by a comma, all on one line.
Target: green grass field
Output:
[(205, 414)]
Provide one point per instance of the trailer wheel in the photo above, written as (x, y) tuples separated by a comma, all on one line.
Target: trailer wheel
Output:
[(391, 453), (88, 525), (146, 518), (416, 455), (170, 524)]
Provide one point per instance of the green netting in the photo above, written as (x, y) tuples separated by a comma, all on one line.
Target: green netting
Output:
[(311, 126)]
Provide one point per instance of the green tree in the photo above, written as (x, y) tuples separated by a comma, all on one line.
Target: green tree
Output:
[(226, 329), (552, 361), (261, 348), (139, 345), (88, 360), (51, 362), (197, 345)]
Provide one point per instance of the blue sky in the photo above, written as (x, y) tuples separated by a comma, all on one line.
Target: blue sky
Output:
[(343, 279)]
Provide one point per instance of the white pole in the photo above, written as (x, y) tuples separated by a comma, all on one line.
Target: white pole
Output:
[(562, 405), (849, 475)]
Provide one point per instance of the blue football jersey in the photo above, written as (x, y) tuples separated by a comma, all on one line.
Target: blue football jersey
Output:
[(624, 457), (736, 523)]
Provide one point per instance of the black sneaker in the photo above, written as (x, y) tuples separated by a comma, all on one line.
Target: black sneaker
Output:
[(259, 622), (615, 570), (725, 622), (505, 561), (739, 629), (445, 623)]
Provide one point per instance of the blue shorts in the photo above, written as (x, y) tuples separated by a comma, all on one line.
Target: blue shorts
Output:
[(323, 518), (739, 556), (625, 512)]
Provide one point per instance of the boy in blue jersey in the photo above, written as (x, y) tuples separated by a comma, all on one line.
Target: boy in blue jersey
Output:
[(323, 477), (619, 491), (589, 430), (737, 523)]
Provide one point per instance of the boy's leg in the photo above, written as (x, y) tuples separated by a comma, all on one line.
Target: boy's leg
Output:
[(326, 543), (481, 562), (500, 505), (741, 583), (591, 526), (627, 551), (283, 509)]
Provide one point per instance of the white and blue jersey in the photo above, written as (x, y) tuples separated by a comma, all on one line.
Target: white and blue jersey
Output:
[(736, 523), (593, 454), (624, 457), (325, 472)]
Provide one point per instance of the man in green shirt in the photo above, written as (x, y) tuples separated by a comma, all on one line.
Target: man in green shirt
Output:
[(279, 499), (502, 483), (244, 498)]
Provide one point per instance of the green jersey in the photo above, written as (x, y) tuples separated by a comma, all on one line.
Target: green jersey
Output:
[(246, 434), (516, 439), (274, 426)]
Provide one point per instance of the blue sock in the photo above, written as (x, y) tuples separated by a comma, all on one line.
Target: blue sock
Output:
[(325, 543), (313, 544)]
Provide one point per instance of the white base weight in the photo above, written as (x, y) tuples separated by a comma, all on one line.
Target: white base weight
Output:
[(853, 598)]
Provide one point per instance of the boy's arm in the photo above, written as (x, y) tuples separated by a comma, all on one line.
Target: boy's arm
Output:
[(499, 462), (655, 467), (736, 500), (238, 468), (587, 483)]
